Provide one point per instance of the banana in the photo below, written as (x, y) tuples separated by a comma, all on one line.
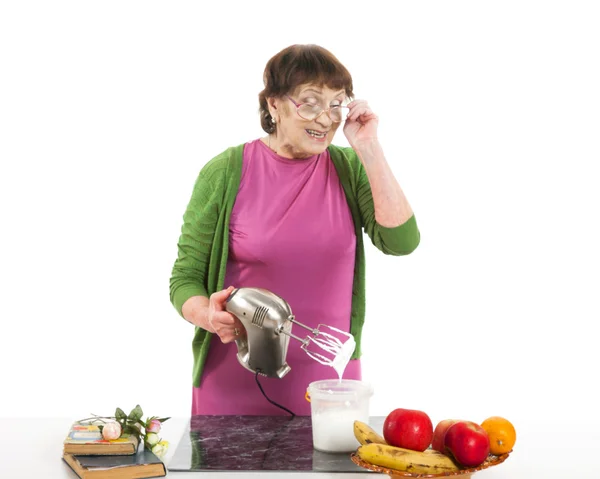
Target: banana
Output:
[(431, 462), (365, 434)]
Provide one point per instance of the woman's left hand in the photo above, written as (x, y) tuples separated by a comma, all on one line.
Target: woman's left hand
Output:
[(361, 123)]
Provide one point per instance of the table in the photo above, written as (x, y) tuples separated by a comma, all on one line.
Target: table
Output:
[(32, 448)]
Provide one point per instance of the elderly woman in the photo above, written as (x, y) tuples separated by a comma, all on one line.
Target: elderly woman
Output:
[(286, 212)]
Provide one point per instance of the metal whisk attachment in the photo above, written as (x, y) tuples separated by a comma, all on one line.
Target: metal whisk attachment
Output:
[(335, 346)]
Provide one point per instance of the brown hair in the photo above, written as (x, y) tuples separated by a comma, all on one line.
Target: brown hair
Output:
[(297, 65)]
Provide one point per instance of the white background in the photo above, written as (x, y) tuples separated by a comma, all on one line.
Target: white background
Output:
[(489, 115)]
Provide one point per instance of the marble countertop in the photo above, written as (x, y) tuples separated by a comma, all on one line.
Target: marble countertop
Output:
[(256, 443)]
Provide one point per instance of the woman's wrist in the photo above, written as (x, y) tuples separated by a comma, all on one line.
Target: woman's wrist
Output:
[(195, 311), (369, 150), (366, 145)]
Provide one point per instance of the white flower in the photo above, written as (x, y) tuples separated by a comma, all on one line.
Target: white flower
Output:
[(160, 449), (152, 439)]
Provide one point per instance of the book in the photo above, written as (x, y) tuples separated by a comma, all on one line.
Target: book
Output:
[(144, 463), (87, 439)]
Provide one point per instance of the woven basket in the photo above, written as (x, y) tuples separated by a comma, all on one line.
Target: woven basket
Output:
[(463, 473)]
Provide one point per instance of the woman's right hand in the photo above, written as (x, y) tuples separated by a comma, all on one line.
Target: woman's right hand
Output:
[(224, 324)]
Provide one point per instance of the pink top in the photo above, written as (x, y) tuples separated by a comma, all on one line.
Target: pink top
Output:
[(291, 232)]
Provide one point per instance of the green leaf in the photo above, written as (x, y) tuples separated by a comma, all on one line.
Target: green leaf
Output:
[(120, 414), (100, 427), (131, 430), (136, 413), (163, 419)]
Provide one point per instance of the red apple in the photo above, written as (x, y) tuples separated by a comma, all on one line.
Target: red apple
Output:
[(468, 442), (408, 428), (439, 433)]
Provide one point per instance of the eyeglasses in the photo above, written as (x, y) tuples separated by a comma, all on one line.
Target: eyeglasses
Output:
[(312, 111)]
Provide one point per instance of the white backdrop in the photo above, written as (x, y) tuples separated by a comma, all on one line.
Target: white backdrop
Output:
[(489, 117)]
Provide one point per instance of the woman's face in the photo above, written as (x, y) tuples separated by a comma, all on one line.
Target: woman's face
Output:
[(297, 137)]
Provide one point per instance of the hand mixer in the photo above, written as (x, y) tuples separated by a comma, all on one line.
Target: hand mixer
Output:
[(268, 320)]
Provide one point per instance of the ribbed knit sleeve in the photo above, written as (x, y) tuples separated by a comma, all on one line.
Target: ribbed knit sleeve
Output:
[(189, 274)]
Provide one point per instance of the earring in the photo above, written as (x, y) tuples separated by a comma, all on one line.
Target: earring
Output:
[(274, 120)]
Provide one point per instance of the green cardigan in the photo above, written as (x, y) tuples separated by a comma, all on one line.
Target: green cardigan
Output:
[(199, 269)]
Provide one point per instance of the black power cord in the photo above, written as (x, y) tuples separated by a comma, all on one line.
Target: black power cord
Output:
[(267, 397)]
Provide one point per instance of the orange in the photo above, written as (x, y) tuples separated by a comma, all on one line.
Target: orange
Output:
[(502, 434)]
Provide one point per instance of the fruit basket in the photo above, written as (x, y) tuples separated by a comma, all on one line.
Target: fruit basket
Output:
[(463, 473)]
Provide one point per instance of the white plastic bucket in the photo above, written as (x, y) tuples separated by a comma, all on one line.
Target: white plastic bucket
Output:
[(335, 405)]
